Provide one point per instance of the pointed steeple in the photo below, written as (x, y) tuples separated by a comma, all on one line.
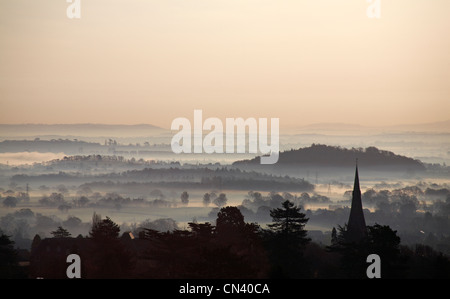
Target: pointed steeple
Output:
[(356, 184), (356, 228)]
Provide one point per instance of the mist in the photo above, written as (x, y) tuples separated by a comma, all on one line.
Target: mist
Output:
[(53, 183)]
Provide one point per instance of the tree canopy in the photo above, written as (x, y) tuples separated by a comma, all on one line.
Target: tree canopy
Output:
[(289, 221), (104, 229), (287, 240), (61, 233)]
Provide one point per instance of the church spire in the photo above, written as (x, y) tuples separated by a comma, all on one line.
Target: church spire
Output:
[(356, 228), (356, 184)]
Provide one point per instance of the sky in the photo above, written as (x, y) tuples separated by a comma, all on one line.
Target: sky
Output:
[(151, 61)]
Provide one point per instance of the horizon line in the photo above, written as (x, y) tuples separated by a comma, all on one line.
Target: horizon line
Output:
[(292, 126)]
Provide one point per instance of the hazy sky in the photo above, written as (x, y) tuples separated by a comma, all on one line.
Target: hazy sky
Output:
[(150, 61)]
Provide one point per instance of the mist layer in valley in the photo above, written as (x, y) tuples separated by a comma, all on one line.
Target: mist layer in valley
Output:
[(62, 180)]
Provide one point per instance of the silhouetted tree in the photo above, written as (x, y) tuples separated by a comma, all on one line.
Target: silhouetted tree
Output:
[(10, 201), (184, 198), (221, 200), (229, 219), (104, 230), (82, 201), (236, 237), (289, 222), (60, 233), (381, 240), (385, 242), (9, 266), (109, 258), (286, 240), (206, 199)]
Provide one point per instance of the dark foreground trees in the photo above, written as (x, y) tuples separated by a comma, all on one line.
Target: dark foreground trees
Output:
[(109, 257), (9, 265), (380, 240), (397, 261), (286, 240), (232, 248)]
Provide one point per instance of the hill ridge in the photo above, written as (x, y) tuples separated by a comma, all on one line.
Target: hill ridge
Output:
[(337, 156)]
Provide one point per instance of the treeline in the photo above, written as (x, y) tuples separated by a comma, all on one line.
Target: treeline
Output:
[(232, 248), (336, 156), (89, 165), (98, 162), (202, 177), (54, 145), (22, 225)]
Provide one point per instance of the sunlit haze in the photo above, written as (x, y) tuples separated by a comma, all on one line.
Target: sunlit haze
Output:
[(303, 61)]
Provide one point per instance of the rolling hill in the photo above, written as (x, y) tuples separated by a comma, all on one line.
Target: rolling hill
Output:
[(334, 156)]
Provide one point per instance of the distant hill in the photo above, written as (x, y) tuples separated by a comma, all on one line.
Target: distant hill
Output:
[(8, 130), (346, 128), (441, 126), (334, 156)]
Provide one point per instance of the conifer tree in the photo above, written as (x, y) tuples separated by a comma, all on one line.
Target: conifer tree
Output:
[(286, 241), (289, 223), (61, 233)]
